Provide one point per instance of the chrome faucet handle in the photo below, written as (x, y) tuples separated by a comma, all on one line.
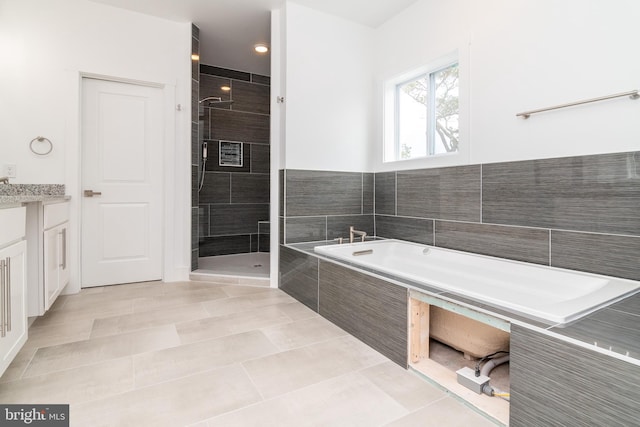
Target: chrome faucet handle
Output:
[(339, 240), (4, 180), (353, 232)]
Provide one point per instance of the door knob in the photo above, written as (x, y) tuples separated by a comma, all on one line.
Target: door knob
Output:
[(91, 193)]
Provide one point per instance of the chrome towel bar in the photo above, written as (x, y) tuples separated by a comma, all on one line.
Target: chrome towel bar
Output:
[(631, 94)]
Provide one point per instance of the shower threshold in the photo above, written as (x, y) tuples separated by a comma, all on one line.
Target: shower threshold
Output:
[(251, 269)]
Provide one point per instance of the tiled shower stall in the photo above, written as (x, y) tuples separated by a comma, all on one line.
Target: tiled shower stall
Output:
[(230, 214)]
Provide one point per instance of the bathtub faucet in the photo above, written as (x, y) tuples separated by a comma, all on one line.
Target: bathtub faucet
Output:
[(4, 180), (353, 232)]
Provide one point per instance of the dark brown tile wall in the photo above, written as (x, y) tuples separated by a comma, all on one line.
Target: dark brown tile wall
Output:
[(312, 193), (249, 188), (368, 186), (321, 205), (210, 86), (338, 226), (251, 97), (521, 244), (579, 213), (231, 125), (216, 188), (556, 383), (234, 199), (195, 145), (263, 80), (418, 230), (599, 193), (225, 245), (264, 237), (298, 276), (225, 72), (306, 229), (615, 326), (260, 158), (597, 253), (230, 219), (371, 309), (440, 193), (385, 193), (281, 196)]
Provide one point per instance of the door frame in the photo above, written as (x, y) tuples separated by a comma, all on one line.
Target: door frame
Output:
[(157, 189), (175, 153)]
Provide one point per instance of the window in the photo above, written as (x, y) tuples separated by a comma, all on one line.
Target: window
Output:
[(425, 115)]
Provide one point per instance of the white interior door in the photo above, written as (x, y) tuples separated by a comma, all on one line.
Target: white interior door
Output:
[(122, 145)]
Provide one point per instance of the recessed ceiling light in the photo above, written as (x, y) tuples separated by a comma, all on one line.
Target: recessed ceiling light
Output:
[(195, 57), (261, 48)]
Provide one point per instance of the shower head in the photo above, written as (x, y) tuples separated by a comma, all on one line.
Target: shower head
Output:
[(215, 100)]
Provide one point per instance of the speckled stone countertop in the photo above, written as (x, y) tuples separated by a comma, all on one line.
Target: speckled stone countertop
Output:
[(11, 194)]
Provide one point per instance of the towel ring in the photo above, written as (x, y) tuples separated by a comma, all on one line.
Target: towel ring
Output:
[(41, 139)]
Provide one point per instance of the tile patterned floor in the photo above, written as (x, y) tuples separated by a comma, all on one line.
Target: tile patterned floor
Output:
[(204, 354)]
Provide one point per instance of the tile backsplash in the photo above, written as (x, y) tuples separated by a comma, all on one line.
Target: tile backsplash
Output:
[(599, 193), (452, 193), (581, 213), (321, 205)]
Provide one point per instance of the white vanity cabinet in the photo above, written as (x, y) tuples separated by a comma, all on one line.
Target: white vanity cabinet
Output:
[(13, 285), (48, 240), (56, 250)]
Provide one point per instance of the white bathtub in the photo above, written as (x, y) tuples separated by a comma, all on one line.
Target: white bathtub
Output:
[(551, 294)]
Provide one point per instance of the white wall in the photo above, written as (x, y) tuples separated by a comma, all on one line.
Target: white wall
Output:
[(45, 46), (329, 91), (277, 128), (521, 55)]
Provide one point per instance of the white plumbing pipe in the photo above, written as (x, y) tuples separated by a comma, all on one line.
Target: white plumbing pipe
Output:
[(491, 364), (486, 370)]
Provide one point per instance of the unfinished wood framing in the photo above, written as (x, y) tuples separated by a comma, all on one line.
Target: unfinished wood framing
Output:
[(419, 341), (459, 328)]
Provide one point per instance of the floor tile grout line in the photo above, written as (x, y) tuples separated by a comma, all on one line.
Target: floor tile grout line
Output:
[(232, 333), (146, 328), (283, 395), (34, 377), (293, 319), (255, 386), (409, 412), (305, 345), (109, 359), (24, 370)]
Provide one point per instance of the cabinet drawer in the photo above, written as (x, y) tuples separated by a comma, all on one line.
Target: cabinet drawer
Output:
[(12, 224), (55, 214)]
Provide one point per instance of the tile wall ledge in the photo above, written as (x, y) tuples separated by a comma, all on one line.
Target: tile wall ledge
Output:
[(581, 332)]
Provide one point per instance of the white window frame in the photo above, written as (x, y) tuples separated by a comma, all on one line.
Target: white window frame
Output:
[(390, 144)]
